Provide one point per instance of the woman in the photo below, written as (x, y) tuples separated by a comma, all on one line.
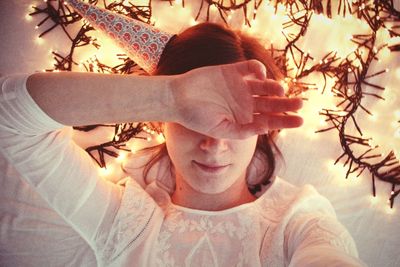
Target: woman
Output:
[(211, 121)]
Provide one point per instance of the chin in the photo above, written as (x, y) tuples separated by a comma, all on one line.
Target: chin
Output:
[(212, 184)]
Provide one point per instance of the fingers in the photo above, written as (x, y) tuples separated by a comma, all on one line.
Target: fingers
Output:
[(262, 123), (266, 87), (267, 122), (249, 67), (274, 104)]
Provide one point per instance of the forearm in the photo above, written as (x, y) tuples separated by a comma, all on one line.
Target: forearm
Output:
[(87, 98)]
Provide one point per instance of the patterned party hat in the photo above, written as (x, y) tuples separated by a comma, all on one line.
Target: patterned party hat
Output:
[(143, 43)]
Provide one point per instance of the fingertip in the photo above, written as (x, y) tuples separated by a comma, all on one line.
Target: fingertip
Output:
[(299, 102), (278, 88), (258, 69), (300, 121), (295, 122)]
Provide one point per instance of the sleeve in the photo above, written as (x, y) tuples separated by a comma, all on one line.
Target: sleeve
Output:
[(318, 239), (43, 152)]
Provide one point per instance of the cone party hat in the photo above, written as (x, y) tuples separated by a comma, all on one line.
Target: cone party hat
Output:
[(143, 43)]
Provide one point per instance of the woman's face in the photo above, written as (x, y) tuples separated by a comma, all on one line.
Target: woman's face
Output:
[(206, 164)]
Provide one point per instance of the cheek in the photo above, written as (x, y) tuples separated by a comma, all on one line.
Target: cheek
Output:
[(179, 142), (244, 152)]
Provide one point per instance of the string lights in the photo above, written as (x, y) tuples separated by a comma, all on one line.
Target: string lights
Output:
[(346, 72)]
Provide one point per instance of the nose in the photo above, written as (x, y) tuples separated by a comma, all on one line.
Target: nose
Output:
[(213, 145)]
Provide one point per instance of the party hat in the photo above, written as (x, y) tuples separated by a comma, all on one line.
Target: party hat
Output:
[(143, 43)]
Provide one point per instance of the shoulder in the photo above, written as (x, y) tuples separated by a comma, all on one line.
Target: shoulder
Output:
[(297, 218), (282, 200), (135, 215)]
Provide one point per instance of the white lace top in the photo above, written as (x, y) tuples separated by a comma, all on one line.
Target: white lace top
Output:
[(127, 225)]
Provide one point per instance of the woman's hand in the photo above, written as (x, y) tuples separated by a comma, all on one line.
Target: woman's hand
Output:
[(232, 101)]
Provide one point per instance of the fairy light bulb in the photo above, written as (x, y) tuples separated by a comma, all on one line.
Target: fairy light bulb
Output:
[(121, 157), (322, 122), (389, 210), (105, 171), (160, 138), (213, 9), (374, 200), (28, 18), (193, 22), (373, 117), (39, 40), (285, 85)]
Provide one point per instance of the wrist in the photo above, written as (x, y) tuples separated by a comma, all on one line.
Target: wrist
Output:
[(171, 98)]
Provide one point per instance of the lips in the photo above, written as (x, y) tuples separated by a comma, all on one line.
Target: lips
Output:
[(211, 167)]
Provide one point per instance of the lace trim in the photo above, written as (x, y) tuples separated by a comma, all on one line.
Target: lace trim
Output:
[(134, 215)]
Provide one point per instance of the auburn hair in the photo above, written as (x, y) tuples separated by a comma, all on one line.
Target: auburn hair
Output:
[(209, 44)]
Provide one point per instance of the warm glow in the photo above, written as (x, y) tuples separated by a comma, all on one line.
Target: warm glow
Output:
[(28, 17), (106, 171), (390, 210), (122, 156), (341, 31), (374, 200), (39, 40), (160, 138)]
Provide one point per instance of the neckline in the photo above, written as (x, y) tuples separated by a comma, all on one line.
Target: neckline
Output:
[(225, 211)]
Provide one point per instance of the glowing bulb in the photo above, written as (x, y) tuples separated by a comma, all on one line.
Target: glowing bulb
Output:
[(39, 40), (284, 85), (213, 8), (374, 200), (322, 122), (148, 139), (105, 171), (193, 22), (28, 18), (131, 146), (389, 210), (121, 157), (160, 138), (371, 143), (373, 117)]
